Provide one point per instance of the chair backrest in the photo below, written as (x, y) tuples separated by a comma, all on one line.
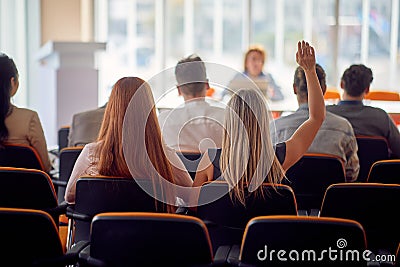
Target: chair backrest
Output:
[(95, 195), (303, 238), (20, 156), (28, 189), (385, 171), (383, 95), (68, 156), (226, 220), (311, 175), (375, 206), (370, 150), (62, 137), (28, 237), (190, 160), (149, 239), (332, 93)]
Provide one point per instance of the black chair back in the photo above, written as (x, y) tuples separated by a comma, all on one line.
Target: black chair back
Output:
[(370, 150), (30, 238), (191, 161), (385, 171), (68, 157), (96, 195), (227, 219), (311, 175), (306, 235), (20, 156), (149, 239), (62, 137), (375, 206), (28, 189)]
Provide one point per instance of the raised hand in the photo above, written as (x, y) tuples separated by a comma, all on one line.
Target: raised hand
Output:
[(305, 55)]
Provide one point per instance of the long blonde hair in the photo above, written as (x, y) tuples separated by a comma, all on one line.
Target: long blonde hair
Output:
[(149, 160), (247, 155)]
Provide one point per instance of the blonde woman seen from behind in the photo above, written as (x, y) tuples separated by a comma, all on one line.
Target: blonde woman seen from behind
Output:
[(247, 156)]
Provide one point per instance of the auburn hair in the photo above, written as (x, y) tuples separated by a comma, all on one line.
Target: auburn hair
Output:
[(110, 150)]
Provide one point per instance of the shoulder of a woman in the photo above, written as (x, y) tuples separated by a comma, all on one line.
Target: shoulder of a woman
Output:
[(23, 112)]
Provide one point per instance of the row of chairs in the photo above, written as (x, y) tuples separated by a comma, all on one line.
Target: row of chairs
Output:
[(304, 177), (374, 206), (333, 93), (155, 239)]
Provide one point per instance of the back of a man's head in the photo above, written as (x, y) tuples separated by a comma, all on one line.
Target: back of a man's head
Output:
[(190, 73), (301, 83), (356, 79)]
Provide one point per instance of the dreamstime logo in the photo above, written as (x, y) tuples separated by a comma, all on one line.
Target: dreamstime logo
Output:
[(138, 112), (330, 254)]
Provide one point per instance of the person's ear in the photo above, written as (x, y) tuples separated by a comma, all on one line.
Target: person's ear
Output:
[(294, 89), (14, 86), (179, 90), (366, 91), (342, 84)]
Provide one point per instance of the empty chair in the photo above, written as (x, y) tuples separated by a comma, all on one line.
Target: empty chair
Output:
[(385, 171), (226, 220), (62, 137), (148, 239), (29, 189), (190, 160), (300, 241), (375, 206), (67, 158), (20, 156), (30, 238), (105, 194), (370, 150), (383, 95), (311, 175)]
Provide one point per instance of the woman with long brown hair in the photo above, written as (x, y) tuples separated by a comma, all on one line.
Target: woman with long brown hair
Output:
[(130, 97)]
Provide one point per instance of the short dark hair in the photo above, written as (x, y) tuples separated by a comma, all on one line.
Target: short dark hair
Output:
[(301, 82), (190, 73), (356, 79)]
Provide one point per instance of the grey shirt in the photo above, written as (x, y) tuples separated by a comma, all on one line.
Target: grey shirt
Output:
[(369, 121), (335, 137), (85, 127)]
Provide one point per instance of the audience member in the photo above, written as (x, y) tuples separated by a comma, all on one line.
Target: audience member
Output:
[(366, 120), (85, 126), (106, 155), (196, 125), (254, 62), (335, 136), (19, 125), (247, 156)]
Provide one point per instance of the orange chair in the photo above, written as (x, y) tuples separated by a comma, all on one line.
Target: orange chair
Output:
[(383, 95), (332, 93)]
